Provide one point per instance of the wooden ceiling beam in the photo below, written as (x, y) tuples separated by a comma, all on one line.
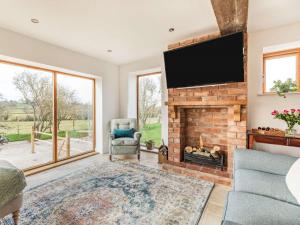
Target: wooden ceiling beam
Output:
[(231, 15)]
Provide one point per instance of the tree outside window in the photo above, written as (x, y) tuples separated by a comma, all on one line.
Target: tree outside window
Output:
[(149, 107)]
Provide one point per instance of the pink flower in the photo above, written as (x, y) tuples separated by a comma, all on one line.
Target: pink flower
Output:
[(293, 110), (275, 112), (298, 110), (285, 111)]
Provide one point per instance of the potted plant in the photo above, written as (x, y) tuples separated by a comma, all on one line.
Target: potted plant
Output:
[(281, 88), (291, 117), (149, 144)]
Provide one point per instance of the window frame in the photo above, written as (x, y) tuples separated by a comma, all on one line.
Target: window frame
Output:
[(281, 54), (55, 160)]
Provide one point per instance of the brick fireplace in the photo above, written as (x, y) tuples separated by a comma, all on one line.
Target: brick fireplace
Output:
[(217, 113)]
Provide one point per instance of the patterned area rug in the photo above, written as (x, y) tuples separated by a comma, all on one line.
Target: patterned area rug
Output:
[(115, 193)]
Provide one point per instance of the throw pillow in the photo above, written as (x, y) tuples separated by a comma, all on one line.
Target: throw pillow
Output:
[(293, 180), (120, 133)]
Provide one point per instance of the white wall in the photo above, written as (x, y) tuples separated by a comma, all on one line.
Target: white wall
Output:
[(260, 106), (26, 48), (128, 74)]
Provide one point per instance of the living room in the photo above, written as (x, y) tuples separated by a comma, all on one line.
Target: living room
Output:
[(151, 112)]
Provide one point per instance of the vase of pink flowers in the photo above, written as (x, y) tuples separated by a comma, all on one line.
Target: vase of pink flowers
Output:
[(291, 117)]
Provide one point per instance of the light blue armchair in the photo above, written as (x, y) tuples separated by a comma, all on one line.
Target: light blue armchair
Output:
[(125, 145)]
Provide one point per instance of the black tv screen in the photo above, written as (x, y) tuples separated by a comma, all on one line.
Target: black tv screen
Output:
[(215, 61)]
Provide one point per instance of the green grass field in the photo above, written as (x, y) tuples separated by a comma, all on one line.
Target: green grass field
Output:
[(152, 132), (27, 137), (21, 131), (23, 127)]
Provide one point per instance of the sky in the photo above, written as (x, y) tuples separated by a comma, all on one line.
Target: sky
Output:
[(280, 69), (157, 80), (83, 87)]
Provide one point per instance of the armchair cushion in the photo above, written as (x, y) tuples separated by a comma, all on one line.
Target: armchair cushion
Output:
[(124, 141), (121, 133), (123, 124), (124, 150)]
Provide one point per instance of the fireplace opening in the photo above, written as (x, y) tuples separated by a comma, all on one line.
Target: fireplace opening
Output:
[(204, 136), (204, 155)]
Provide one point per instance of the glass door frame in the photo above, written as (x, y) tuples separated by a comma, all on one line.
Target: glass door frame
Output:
[(55, 113)]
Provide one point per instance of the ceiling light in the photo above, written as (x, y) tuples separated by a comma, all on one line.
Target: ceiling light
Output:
[(171, 29), (33, 20), (109, 50)]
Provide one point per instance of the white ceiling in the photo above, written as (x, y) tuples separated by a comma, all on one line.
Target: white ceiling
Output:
[(133, 29)]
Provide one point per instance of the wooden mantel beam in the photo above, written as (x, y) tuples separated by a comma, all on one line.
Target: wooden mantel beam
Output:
[(231, 15)]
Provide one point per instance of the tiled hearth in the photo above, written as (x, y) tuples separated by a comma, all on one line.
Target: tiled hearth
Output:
[(218, 114)]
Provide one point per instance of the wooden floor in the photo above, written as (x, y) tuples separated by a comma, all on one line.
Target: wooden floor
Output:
[(213, 211)]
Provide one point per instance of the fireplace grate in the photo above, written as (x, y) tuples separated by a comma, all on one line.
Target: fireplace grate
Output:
[(205, 160)]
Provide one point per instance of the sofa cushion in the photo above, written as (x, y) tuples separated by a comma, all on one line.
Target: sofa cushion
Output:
[(261, 183), (250, 209), (263, 161), (12, 182), (124, 141)]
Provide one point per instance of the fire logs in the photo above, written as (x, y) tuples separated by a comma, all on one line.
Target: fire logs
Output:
[(204, 151), (204, 156)]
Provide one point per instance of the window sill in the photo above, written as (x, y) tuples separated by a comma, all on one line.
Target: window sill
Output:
[(273, 93), (154, 150)]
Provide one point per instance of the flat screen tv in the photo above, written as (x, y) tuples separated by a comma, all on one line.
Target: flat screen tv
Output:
[(215, 61)]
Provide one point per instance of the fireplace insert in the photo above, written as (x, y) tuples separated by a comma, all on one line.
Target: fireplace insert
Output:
[(205, 160)]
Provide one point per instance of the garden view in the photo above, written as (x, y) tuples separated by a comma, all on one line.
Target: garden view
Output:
[(149, 108), (26, 115)]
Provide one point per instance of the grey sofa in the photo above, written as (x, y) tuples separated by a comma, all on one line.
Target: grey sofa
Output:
[(126, 145), (260, 195), (12, 183)]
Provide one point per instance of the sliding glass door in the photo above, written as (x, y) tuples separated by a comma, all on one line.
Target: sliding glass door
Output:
[(26, 100), (45, 116), (75, 115)]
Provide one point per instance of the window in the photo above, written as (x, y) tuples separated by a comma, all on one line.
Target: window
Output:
[(45, 115), (149, 107), (281, 66)]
